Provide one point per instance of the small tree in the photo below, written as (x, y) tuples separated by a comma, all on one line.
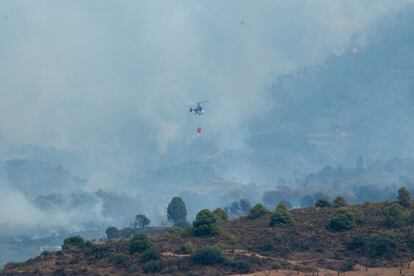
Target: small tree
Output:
[(393, 215), (342, 220), (139, 243), (404, 197), (286, 203), (221, 215), (208, 256), (205, 224), (112, 232), (257, 211), (142, 221), (357, 243), (77, 241), (382, 246), (187, 248), (410, 217), (150, 254), (152, 267), (323, 203), (339, 202), (280, 216), (409, 240), (177, 212)]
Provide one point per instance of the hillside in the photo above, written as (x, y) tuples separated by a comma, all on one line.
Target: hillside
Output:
[(247, 245)]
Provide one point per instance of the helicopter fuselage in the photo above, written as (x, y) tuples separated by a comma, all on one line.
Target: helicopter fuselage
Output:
[(197, 110)]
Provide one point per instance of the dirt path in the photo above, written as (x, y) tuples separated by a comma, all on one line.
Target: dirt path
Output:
[(359, 271)]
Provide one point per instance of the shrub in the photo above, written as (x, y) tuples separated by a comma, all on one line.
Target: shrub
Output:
[(205, 224), (323, 203), (182, 224), (208, 255), (280, 216), (176, 211), (357, 243), (152, 267), (286, 203), (347, 266), (221, 215), (342, 220), (339, 202), (228, 236), (410, 218), (404, 197), (410, 241), (127, 232), (187, 248), (120, 259), (175, 232), (150, 254), (382, 246), (393, 215), (257, 211), (139, 243), (73, 241), (366, 203), (239, 266), (112, 232)]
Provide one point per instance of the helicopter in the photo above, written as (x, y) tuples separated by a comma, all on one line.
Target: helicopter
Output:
[(198, 109)]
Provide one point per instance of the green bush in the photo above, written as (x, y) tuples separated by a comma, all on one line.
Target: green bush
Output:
[(221, 215), (112, 232), (150, 254), (410, 241), (357, 243), (382, 246), (205, 224), (339, 202), (74, 241), (182, 224), (139, 243), (152, 267), (257, 211), (239, 266), (187, 248), (120, 259), (393, 215), (323, 203), (347, 266), (342, 220), (208, 255), (410, 217), (404, 197), (229, 236), (280, 216)]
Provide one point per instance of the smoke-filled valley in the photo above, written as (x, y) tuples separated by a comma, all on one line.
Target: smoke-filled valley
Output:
[(94, 126)]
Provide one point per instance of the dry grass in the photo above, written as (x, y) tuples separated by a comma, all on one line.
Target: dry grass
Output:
[(304, 247)]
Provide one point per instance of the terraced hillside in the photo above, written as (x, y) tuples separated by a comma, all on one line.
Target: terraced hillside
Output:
[(368, 235)]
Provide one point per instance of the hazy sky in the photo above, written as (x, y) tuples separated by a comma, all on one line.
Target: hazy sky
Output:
[(115, 76)]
